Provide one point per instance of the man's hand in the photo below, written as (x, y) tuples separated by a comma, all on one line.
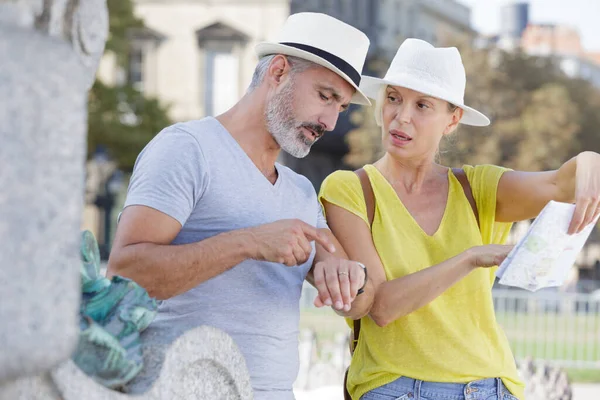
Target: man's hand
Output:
[(286, 242), (337, 281)]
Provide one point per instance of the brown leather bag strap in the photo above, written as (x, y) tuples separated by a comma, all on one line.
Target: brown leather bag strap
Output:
[(461, 175), (369, 196), (365, 182), (355, 336)]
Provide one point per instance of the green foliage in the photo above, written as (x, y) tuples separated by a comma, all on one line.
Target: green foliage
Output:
[(122, 20), (124, 121), (121, 118), (540, 117)]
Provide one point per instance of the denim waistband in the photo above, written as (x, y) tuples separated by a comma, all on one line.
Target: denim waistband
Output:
[(489, 386)]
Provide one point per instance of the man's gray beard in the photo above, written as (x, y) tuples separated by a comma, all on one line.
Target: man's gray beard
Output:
[(283, 126)]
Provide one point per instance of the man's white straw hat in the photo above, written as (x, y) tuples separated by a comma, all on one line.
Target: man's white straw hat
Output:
[(326, 41)]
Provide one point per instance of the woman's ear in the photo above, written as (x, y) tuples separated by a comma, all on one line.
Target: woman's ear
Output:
[(456, 117)]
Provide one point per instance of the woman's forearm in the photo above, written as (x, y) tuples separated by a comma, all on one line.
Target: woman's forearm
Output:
[(399, 297), (565, 181)]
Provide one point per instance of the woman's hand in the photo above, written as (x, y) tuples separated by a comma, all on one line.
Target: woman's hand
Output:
[(488, 255), (587, 191)]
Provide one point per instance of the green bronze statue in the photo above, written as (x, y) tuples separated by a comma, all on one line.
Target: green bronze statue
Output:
[(113, 312)]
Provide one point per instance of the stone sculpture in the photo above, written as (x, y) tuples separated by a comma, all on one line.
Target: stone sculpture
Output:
[(112, 315), (49, 51), (544, 381)]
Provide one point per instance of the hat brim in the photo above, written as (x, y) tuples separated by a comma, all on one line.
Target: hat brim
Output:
[(266, 48), (371, 86)]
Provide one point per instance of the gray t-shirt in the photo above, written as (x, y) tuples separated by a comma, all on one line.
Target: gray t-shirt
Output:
[(198, 174)]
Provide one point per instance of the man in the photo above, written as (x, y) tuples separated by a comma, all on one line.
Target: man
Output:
[(225, 235)]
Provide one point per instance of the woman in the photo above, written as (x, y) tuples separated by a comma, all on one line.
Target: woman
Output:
[(431, 332)]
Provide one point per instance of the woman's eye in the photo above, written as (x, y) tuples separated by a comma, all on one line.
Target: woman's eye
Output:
[(323, 97), (423, 106), (392, 98)]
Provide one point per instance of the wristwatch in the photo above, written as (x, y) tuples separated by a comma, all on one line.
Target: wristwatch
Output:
[(362, 289)]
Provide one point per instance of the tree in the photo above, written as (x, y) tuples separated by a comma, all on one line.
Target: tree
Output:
[(535, 120), (540, 117), (587, 100), (364, 142), (120, 117), (549, 124), (123, 120)]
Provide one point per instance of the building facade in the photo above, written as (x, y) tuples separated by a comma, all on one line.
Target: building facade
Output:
[(562, 43), (387, 23), (197, 56)]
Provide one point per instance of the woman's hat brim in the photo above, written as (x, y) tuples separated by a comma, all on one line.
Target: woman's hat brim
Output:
[(371, 86)]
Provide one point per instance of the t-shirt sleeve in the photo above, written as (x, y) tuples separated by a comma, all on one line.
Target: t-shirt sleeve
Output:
[(170, 175), (484, 184), (343, 189), (321, 221)]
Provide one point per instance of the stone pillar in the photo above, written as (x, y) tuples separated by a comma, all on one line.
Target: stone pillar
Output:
[(49, 51)]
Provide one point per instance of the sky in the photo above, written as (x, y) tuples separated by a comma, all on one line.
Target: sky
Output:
[(584, 15)]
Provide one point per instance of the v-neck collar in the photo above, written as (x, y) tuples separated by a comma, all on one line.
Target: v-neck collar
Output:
[(243, 155), (389, 186)]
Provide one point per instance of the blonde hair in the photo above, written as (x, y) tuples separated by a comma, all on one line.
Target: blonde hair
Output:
[(379, 105)]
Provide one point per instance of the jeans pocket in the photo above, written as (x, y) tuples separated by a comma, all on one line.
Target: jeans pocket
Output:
[(507, 396), (375, 395)]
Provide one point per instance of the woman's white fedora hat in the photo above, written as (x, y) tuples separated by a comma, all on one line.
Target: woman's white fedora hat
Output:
[(434, 71), (326, 41)]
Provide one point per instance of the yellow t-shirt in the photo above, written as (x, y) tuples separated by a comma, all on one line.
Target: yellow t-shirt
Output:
[(455, 338)]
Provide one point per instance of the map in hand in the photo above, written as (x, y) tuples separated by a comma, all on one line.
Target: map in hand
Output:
[(546, 254)]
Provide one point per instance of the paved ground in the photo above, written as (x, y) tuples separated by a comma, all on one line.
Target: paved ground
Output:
[(586, 391), (324, 393), (581, 391)]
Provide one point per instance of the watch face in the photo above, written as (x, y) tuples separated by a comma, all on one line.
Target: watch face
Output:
[(361, 290)]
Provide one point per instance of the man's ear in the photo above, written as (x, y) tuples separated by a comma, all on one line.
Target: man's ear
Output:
[(279, 68), (456, 117)]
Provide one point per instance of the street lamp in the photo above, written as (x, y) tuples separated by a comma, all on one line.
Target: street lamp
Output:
[(109, 180), (112, 189)]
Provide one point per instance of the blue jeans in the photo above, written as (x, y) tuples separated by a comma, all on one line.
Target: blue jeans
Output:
[(412, 389)]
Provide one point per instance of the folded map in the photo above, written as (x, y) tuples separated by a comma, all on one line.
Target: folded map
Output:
[(546, 254)]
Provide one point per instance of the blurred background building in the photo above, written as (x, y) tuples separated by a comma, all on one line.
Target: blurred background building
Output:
[(386, 23), (176, 60), (197, 56), (191, 59), (560, 42)]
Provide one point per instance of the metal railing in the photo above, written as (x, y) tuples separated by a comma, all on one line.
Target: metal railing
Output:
[(560, 328)]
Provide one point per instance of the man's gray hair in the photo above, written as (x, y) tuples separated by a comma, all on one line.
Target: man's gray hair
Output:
[(297, 65)]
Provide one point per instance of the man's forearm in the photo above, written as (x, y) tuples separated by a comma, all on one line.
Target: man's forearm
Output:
[(363, 302), (168, 270)]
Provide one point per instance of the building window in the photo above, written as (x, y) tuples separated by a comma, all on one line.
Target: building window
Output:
[(135, 72), (221, 81), (141, 61), (221, 45)]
